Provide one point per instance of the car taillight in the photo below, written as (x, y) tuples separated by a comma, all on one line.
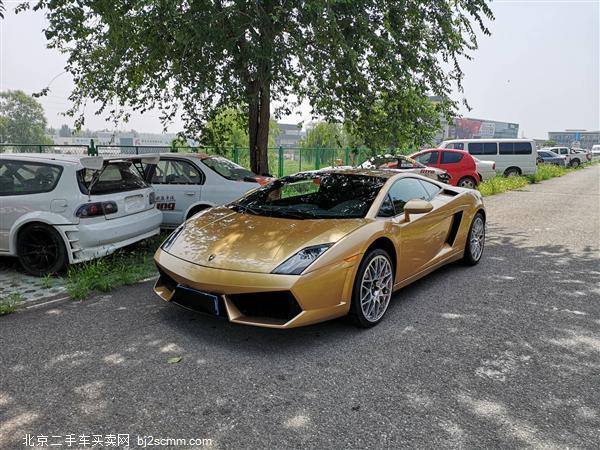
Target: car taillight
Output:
[(96, 209), (494, 166), (152, 198)]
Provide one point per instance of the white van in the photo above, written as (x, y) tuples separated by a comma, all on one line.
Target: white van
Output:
[(512, 156)]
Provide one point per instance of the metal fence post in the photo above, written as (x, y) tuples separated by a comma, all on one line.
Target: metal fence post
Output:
[(280, 162), (317, 158), (91, 148), (40, 148), (236, 155), (347, 156)]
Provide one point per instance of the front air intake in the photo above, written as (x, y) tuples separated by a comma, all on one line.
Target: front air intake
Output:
[(280, 305)]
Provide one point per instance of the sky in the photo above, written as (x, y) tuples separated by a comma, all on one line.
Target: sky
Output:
[(540, 68)]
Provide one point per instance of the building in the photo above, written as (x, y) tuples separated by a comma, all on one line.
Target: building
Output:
[(575, 138), (290, 135)]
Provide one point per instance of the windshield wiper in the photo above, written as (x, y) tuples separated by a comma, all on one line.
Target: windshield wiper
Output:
[(246, 209)]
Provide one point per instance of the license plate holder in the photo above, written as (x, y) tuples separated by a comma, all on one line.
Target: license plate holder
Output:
[(196, 300)]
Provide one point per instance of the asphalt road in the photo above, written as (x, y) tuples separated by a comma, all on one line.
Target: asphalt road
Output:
[(504, 354)]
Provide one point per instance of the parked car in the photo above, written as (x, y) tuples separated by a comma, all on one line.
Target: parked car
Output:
[(512, 156), (485, 169), (405, 164), (459, 164), (595, 151), (57, 210), (187, 183), (549, 157), (573, 157), (318, 245)]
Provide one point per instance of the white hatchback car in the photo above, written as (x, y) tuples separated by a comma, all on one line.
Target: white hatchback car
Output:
[(187, 183), (64, 209)]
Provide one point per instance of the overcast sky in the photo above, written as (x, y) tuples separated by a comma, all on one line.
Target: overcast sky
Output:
[(540, 68)]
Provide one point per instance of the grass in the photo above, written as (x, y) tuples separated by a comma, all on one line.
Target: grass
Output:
[(126, 266), (501, 184), (10, 303)]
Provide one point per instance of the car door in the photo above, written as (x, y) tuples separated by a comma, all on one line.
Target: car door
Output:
[(177, 183), (453, 163), (422, 238)]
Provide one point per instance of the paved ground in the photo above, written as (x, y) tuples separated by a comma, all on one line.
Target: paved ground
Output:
[(30, 289), (505, 354)]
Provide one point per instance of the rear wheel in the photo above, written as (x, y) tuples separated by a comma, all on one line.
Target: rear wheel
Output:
[(512, 172), (475, 240), (41, 250), (372, 289), (467, 182), (575, 163)]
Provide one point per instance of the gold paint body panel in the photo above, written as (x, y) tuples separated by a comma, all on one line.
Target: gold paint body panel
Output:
[(226, 253)]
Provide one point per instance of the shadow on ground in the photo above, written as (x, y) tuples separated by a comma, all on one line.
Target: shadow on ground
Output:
[(504, 354)]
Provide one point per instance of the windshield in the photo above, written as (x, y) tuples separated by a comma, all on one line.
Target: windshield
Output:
[(228, 169), (313, 196)]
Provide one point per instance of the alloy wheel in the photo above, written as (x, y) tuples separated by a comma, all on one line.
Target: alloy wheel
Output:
[(477, 238), (376, 288)]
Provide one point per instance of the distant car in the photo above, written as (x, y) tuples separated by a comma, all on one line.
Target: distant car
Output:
[(57, 210), (485, 169), (574, 157), (187, 183), (405, 164), (595, 152), (549, 157), (459, 164)]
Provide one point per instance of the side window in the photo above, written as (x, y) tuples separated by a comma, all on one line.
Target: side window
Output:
[(20, 177), (506, 148), (457, 146), (428, 158), (387, 208), (490, 148), (432, 189), (476, 148), (451, 157), (174, 171), (523, 148), (404, 190)]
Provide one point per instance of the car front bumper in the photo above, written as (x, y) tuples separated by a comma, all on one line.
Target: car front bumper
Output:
[(260, 299), (94, 240)]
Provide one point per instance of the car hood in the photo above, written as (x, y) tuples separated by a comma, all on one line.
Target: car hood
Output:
[(224, 239)]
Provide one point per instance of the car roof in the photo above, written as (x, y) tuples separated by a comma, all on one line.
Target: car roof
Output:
[(380, 173), (489, 140), (188, 155)]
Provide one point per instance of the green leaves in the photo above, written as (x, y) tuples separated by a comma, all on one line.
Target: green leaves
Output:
[(366, 63), (22, 119), (174, 360)]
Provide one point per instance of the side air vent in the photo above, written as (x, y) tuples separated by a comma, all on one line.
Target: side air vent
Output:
[(456, 220), (449, 192)]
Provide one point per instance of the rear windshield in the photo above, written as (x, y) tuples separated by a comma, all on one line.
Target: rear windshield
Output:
[(116, 177), (227, 169)]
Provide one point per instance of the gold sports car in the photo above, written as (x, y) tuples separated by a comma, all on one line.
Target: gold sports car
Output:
[(319, 245)]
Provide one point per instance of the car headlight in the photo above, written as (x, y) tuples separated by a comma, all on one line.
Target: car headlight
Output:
[(301, 260)]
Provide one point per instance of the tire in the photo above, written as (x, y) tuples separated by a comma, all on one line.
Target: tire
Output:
[(575, 163), (512, 172), (368, 312), (474, 248), (467, 182), (41, 250)]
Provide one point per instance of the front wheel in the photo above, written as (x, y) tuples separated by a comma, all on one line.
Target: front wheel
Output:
[(475, 240), (575, 163), (373, 287), (467, 182), (41, 250), (512, 172)]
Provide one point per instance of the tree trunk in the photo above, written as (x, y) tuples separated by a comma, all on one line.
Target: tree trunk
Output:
[(259, 115)]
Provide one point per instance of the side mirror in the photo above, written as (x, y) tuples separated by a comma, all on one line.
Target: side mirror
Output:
[(416, 207)]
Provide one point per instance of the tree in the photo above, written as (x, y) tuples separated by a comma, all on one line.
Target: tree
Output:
[(202, 56), (550, 143), (325, 135), (65, 131), (22, 119)]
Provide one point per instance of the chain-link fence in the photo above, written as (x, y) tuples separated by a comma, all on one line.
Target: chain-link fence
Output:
[(282, 160)]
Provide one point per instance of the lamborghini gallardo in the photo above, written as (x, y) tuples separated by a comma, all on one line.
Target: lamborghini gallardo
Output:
[(319, 245)]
